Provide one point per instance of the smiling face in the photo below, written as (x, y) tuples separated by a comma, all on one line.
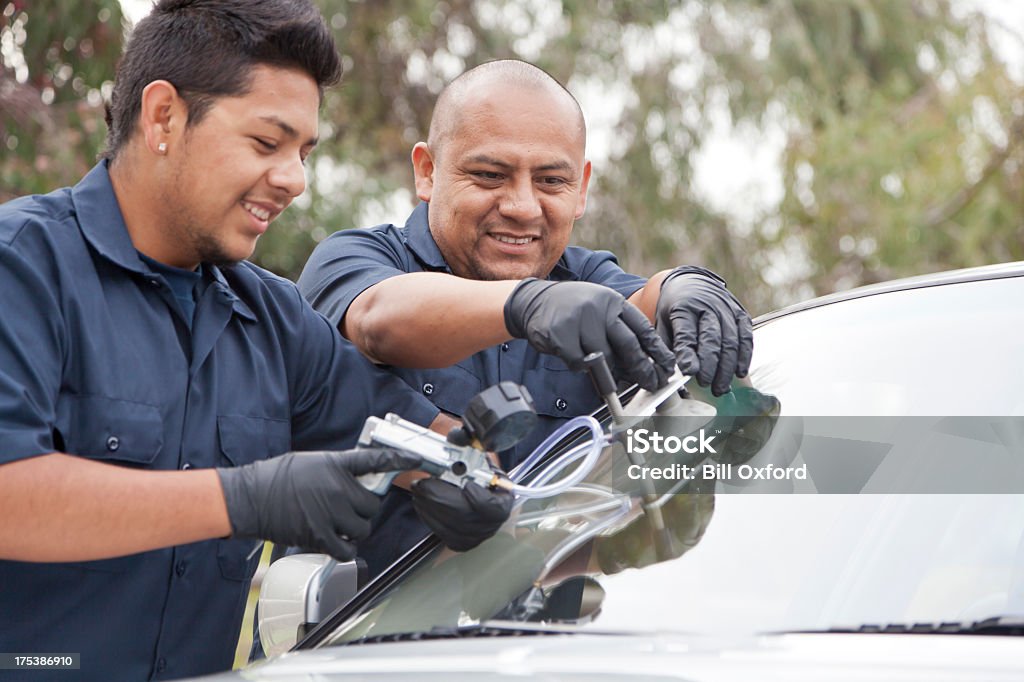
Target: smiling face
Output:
[(234, 172), (506, 181)]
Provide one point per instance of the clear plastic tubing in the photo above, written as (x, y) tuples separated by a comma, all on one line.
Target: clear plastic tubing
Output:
[(565, 429), (592, 449)]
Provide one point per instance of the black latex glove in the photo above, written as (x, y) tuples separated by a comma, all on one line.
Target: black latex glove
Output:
[(572, 319), (706, 326), (308, 499), (462, 517)]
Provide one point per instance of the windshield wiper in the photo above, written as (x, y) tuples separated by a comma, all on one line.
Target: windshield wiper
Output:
[(1007, 626), (490, 629)]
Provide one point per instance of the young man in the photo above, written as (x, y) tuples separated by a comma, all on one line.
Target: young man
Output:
[(480, 285), (148, 373)]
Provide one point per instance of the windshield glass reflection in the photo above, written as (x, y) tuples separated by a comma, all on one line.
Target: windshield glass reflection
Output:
[(601, 527), (742, 563)]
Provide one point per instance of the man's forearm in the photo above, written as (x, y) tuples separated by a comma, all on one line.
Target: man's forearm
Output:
[(427, 319), (646, 298), (58, 507)]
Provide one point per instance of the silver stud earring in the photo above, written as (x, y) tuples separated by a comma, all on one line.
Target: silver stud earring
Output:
[(162, 147)]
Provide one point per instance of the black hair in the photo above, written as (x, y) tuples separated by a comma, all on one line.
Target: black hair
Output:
[(207, 49)]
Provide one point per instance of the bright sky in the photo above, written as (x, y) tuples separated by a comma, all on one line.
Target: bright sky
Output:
[(745, 163)]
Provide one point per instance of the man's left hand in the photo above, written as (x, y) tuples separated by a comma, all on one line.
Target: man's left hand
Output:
[(706, 326)]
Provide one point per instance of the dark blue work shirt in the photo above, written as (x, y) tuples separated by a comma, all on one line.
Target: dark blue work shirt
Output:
[(97, 361), (350, 261), (183, 284)]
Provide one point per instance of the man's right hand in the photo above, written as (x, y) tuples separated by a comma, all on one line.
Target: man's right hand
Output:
[(462, 516), (572, 319), (308, 499)]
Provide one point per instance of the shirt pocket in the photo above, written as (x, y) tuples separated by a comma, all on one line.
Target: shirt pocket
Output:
[(73, 572), (559, 392), (249, 439), (110, 429), (237, 558), (244, 440), (450, 388)]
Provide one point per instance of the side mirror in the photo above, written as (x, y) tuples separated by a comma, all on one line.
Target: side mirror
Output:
[(298, 592), (575, 600)]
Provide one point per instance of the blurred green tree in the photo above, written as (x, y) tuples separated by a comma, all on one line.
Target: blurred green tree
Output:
[(56, 67), (904, 140), (902, 130)]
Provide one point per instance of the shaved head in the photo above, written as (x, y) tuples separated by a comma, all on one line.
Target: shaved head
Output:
[(504, 171), (503, 75)]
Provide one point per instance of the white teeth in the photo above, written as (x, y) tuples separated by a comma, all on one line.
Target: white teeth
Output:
[(513, 240), (260, 213)]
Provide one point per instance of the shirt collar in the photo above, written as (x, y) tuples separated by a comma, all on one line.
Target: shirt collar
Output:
[(561, 273), (224, 290), (102, 223), (422, 244)]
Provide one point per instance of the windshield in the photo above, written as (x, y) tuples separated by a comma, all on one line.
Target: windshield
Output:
[(803, 555)]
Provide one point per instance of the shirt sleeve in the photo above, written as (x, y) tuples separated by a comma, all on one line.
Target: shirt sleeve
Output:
[(31, 352), (348, 263), (602, 267), (334, 388)]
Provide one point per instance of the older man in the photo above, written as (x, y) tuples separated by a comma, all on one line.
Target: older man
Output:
[(480, 284)]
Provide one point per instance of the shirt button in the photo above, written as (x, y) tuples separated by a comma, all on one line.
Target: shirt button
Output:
[(155, 282), (504, 347), (561, 405), (428, 389), (180, 568), (161, 664), (113, 443), (186, 466)]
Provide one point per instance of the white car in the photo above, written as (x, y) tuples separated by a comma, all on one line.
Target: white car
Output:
[(886, 540)]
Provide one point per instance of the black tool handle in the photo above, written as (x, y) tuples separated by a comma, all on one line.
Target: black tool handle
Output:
[(600, 373)]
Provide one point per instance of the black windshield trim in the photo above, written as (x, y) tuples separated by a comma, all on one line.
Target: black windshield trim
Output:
[(1007, 626), (490, 629), (411, 559)]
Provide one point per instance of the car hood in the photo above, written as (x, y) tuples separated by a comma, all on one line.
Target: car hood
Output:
[(659, 657)]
